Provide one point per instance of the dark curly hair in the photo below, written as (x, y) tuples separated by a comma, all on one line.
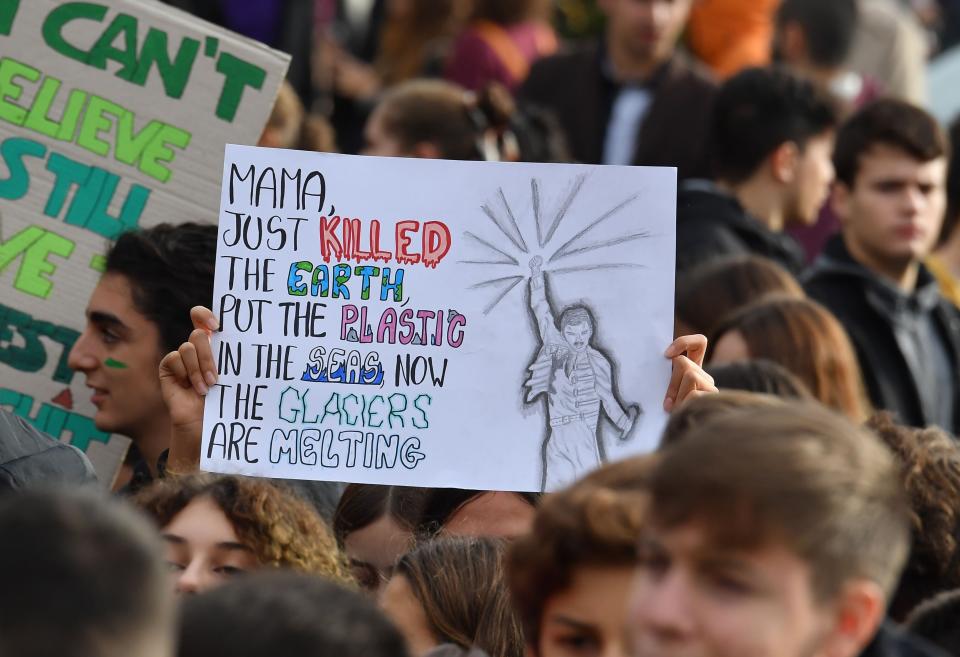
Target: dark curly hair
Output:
[(282, 530), (595, 522), (170, 269), (930, 466)]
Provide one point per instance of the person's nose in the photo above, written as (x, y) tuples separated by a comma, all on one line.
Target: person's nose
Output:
[(663, 605), (914, 201), (83, 355), (192, 579)]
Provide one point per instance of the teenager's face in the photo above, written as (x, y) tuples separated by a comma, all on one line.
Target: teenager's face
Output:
[(374, 550), (647, 29), (202, 548), (119, 352), (589, 617), (811, 185), (379, 141), (892, 215), (695, 599)]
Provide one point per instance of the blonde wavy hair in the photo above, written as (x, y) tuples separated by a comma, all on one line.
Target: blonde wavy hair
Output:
[(282, 530)]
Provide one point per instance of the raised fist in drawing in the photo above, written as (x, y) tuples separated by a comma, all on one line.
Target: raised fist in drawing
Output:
[(536, 263)]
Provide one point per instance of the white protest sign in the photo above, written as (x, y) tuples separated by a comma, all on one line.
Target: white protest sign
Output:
[(113, 115), (435, 323)]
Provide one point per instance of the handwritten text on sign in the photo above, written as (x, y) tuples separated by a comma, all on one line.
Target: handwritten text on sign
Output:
[(373, 330)]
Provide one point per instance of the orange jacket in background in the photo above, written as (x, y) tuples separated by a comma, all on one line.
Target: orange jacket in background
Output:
[(730, 35)]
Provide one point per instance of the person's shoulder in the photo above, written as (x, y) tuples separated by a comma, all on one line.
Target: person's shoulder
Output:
[(687, 70), (894, 642), (567, 63), (30, 457), (833, 287)]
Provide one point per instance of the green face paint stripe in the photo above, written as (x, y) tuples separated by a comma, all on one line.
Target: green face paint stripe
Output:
[(115, 364)]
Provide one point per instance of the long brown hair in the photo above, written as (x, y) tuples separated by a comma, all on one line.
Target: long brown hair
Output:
[(282, 530), (461, 584), (805, 338)]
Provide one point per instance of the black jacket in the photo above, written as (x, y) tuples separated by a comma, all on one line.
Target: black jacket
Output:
[(891, 641), (712, 224), (29, 458), (891, 333), (577, 91)]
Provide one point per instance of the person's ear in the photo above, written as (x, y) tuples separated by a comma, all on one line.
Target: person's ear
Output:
[(840, 200), (426, 150), (793, 43), (857, 615), (784, 162)]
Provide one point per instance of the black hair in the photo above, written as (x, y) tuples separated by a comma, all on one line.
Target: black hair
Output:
[(83, 576), (829, 27), (938, 621), (757, 111), (441, 503), (285, 613), (759, 375), (889, 122), (170, 269)]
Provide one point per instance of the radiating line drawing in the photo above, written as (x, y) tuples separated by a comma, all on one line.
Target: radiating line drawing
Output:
[(574, 378), (491, 246), (606, 215), (574, 190)]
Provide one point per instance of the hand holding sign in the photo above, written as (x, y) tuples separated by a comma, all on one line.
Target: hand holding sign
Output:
[(185, 377), (688, 380)]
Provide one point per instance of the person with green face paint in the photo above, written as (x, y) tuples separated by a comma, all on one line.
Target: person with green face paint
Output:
[(135, 315)]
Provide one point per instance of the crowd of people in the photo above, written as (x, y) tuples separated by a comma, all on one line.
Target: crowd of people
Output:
[(805, 497)]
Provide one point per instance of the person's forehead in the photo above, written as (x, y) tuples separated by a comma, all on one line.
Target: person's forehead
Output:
[(114, 295), (699, 541), (887, 160)]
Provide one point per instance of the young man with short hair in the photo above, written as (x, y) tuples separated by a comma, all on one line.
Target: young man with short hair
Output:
[(891, 162), (773, 532), (276, 613), (630, 98), (771, 136), (139, 311), (83, 576)]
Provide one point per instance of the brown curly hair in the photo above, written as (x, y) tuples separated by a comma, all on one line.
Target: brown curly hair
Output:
[(930, 467), (282, 530), (595, 522)]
